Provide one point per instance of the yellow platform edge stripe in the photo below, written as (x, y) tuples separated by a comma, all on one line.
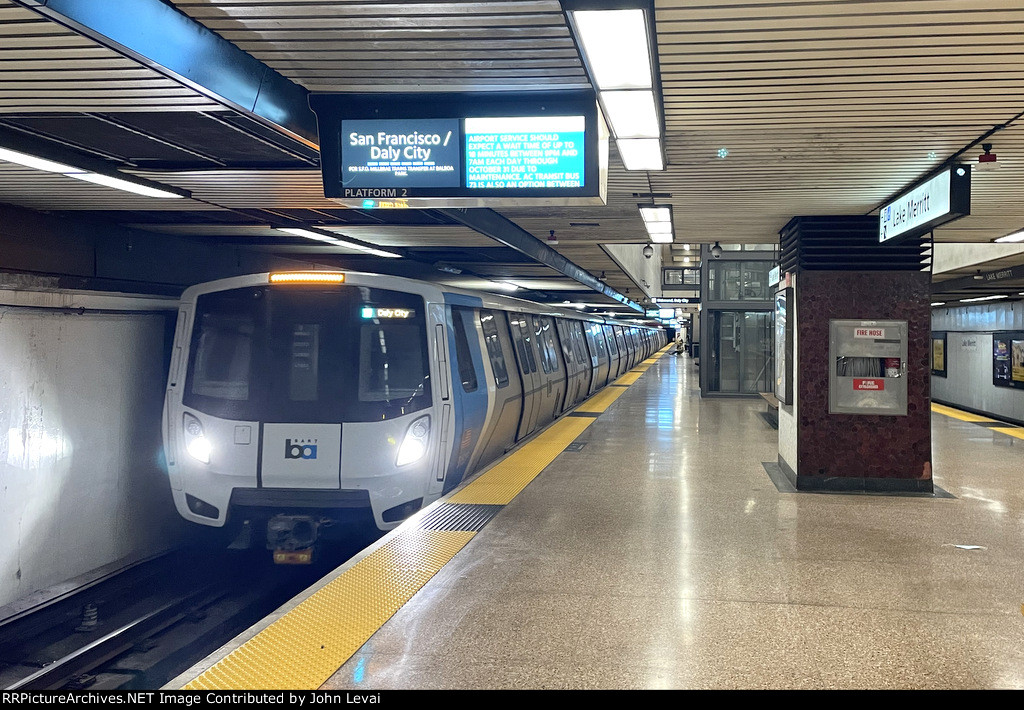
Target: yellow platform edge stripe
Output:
[(506, 479), (628, 379), (1010, 431), (307, 645), (601, 401), (958, 414)]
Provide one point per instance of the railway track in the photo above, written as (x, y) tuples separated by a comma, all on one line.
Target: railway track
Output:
[(142, 626)]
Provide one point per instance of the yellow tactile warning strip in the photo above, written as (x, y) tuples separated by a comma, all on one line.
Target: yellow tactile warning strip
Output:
[(307, 645), (304, 647), (601, 401), (628, 379), (1016, 432), (957, 414), (503, 481), (1010, 431)]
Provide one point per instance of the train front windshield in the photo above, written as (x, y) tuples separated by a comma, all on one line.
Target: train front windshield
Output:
[(308, 354)]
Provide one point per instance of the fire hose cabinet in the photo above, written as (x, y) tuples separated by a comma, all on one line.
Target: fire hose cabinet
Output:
[(868, 367)]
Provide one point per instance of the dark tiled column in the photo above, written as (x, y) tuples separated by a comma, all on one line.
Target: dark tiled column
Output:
[(865, 451)]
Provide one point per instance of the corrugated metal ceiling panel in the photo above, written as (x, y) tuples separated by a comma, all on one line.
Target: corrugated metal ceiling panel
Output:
[(45, 68), (414, 46)]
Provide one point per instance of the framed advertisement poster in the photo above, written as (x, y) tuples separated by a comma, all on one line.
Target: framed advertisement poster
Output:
[(938, 354), (1008, 359), (783, 347)]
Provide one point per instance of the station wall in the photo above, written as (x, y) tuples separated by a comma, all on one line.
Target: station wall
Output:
[(82, 483), (968, 380)]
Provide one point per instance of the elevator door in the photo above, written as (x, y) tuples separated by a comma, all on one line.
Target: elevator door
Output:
[(742, 356)]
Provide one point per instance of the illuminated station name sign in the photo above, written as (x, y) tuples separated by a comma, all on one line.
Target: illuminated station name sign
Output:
[(467, 151), (943, 198)]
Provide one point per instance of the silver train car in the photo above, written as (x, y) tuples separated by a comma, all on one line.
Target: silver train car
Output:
[(298, 401)]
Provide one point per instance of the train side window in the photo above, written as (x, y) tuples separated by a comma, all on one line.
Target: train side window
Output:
[(576, 328), (548, 340), (565, 339), (521, 338), (494, 349), (612, 347), (597, 338), (538, 334), (462, 322)]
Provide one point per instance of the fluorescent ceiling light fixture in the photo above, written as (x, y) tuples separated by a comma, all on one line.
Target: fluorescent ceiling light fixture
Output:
[(980, 298), (615, 42), (31, 161), (655, 214), (309, 234), (1015, 237), (658, 227), (661, 238), (640, 153), (119, 184), (940, 303), (370, 250), (50, 166), (632, 113)]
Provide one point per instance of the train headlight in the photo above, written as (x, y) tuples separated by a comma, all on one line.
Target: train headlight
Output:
[(196, 443), (414, 445)]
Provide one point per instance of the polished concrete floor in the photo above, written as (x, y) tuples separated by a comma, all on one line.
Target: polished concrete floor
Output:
[(662, 556)]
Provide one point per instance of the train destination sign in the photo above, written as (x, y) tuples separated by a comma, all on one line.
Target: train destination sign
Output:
[(400, 153), (465, 150), (943, 198)]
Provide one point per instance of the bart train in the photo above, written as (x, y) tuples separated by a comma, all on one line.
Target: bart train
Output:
[(299, 400)]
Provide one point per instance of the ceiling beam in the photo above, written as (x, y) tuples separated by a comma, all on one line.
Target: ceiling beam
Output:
[(497, 227), (160, 37)]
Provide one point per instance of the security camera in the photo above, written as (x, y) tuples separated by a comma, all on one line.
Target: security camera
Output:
[(648, 251), (716, 251)]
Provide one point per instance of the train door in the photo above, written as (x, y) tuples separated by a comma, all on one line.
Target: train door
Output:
[(614, 357), (522, 337), (469, 392), (579, 346), (599, 351), (573, 365), (552, 368), (624, 349), (504, 389)]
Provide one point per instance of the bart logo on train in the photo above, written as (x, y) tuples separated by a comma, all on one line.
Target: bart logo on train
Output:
[(300, 449)]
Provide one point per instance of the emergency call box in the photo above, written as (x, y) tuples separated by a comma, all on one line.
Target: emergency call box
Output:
[(868, 367)]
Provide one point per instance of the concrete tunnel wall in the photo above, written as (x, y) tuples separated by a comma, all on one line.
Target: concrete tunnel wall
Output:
[(81, 479)]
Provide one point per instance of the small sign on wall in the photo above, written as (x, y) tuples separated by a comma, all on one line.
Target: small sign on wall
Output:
[(869, 333), (868, 384)]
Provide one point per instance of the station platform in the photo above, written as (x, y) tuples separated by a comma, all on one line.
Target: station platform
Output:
[(639, 543)]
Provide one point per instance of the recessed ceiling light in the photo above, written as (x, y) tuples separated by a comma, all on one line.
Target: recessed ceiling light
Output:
[(1015, 237)]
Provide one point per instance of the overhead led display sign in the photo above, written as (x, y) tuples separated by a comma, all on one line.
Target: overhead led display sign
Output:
[(525, 152), (462, 150), (945, 197), (400, 153)]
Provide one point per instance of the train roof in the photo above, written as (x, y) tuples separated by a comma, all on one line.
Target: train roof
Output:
[(488, 300)]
